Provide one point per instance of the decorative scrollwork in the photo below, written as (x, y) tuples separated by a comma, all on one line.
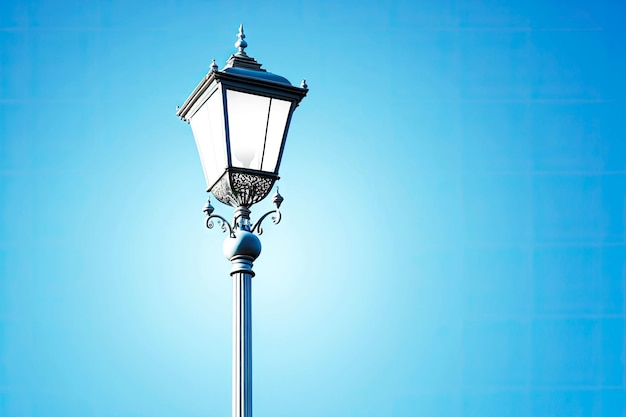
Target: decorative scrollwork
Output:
[(275, 219), (241, 218), (224, 225), (221, 190), (250, 189), (242, 189), (208, 209), (277, 199)]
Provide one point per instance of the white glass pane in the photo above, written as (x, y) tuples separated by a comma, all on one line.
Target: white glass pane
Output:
[(279, 111), (247, 122), (208, 129), (215, 106)]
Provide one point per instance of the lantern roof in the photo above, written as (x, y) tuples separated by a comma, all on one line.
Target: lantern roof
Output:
[(261, 75), (239, 65), (244, 65)]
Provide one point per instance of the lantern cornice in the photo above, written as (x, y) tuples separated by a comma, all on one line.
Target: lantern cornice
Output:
[(195, 95), (259, 82)]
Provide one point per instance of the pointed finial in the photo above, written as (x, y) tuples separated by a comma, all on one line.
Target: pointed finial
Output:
[(303, 84), (241, 43), (277, 199), (214, 66), (208, 208)]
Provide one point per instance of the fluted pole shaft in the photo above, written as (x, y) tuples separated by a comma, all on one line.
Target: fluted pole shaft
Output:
[(242, 344), (242, 249)]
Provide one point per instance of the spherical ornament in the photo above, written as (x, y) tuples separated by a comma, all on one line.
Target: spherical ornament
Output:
[(244, 244)]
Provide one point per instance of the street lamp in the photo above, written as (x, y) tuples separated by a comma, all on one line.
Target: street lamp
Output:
[(240, 116)]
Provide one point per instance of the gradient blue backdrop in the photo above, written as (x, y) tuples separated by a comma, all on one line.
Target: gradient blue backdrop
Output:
[(453, 241)]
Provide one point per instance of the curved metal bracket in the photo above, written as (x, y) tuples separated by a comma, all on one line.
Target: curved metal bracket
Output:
[(241, 218), (225, 226), (277, 199), (275, 220)]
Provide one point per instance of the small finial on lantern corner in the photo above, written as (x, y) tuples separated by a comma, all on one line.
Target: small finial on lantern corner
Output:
[(241, 44), (303, 84), (214, 66)]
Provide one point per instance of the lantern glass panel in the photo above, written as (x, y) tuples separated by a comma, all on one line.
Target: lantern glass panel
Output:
[(247, 124), (278, 116), (207, 125)]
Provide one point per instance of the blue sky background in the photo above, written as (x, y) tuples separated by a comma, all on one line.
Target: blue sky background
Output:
[(453, 240)]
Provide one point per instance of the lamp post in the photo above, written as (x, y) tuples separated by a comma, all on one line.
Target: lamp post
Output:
[(240, 116)]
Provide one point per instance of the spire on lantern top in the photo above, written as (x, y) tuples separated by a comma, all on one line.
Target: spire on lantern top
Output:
[(241, 59), (241, 43)]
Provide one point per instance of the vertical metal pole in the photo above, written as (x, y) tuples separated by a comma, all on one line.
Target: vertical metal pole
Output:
[(242, 345), (242, 248)]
